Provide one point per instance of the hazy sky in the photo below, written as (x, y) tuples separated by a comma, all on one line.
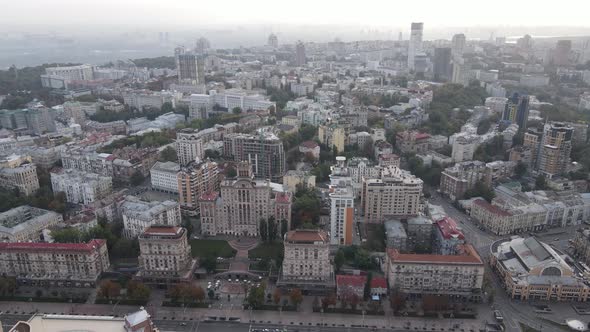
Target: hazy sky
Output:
[(394, 13)]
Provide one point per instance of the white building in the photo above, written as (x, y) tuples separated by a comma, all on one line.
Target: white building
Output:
[(463, 149), (496, 104), (307, 257), (26, 223), (139, 215), (72, 73), (163, 176), (81, 187), (341, 215), (189, 147)]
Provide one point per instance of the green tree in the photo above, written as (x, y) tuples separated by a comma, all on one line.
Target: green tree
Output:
[(284, 228), (307, 132), (272, 229), (137, 290), (339, 260), (137, 178), (209, 263), (255, 298), (109, 289), (67, 235), (367, 289), (168, 154), (520, 170), (236, 110), (541, 182), (231, 172), (263, 230)]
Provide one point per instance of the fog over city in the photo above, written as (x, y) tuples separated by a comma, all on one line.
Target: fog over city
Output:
[(99, 31)]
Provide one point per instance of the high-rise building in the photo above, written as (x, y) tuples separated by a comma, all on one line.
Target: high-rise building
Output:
[(264, 151), (243, 203), (442, 64), (189, 67), (554, 154), (273, 41), (415, 44), (189, 146), (458, 45), (202, 45), (165, 256), (193, 181), (300, 57), (517, 110), (562, 53), (23, 177), (341, 215), (396, 193), (307, 257)]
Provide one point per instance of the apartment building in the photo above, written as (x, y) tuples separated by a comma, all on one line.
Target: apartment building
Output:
[(165, 256), (139, 215), (26, 223), (396, 193), (458, 275), (163, 176), (533, 271), (243, 203), (307, 259), (189, 146), (55, 264), (22, 177), (555, 149), (413, 141), (294, 179), (508, 220), (457, 179), (194, 180), (264, 151), (332, 136), (79, 186)]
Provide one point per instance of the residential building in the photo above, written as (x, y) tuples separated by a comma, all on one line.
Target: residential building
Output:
[(193, 181), (80, 187), (26, 223), (458, 275), (581, 245), (273, 41), (293, 179), (554, 154), (138, 215), (389, 159), (448, 237), (300, 57), (264, 151), (517, 110), (396, 235), (521, 154), (165, 256), (531, 270), (396, 193), (55, 264), (189, 66), (22, 177), (243, 203), (420, 234), (458, 45), (163, 177), (383, 148), (464, 148), (35, 121), (341, 214), (413, 141), (442, 64), (307, 259), (503, 219), (145, 99), (310, 148), (72, 73), (189, 146), (496, 104), (457, 179), (332, 136)]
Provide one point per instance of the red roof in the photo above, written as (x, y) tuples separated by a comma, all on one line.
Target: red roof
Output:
[(468, 256), (422, 135), (44, 246), (309, 144), (491, 208), (307, 235), (209, 196), (345, 280), (448, 228), (163, 230), (283, 197), (378, 282)]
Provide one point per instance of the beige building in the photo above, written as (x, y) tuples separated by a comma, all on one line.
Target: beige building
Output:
[(26, 223), (292, 179), (458, 275), (554, 155), (194, 180), (79, 186), (332, 135), (23, 177), (532, 270), (457, 179), (165, 256), (396, 193), (307, 258), (55, 264), (189, 146), (242, 204), (502, 219), (138, 215)]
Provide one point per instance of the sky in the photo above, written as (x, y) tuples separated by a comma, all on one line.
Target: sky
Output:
[(377, 13)]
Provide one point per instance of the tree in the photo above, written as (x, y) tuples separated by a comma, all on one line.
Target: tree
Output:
[(339, 260), (276, 295), (307, 132), (272, 229), (138, 290), (397, 301), (67, 235), (197, 293), (520, 169), (255, 297), (367, 289), (328, 301), (236, 110), (168, 154), (137, 178), (7, 286), (263, 230), (296, 296), (284, 228), (231, 172), (541, 182), (209, 263), (109, 289), (211, 294)]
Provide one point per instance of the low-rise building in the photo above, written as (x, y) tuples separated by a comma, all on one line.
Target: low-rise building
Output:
[(163, 177), (293, 179), (138, 215), (413, 141), (501, 221), (395, 235), (447, 236), (26, 223), (310, 147), (456, 180), (22, 177), (531, 270), (165, 256), (79, 186), (458, 275), (55, 264)]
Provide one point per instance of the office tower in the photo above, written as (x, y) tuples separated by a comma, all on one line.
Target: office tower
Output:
[(517, 110), (202, 45), (264, 151), (554, 154), (525, 43), (458, 45), (300, 59), (442, 64), (189, 67), (415, 44), (561, 54), (273, 41)]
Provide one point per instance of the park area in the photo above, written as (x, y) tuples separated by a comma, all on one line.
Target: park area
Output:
[(211, 248)]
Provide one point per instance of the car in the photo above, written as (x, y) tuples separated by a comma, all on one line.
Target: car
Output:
[(556, 239), (183, 324), (498, 316)]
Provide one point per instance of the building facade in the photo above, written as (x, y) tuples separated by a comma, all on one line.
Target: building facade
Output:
[(81, 187), (264, 151), (163, 176), (194, 180), (26, 223), (307, 258), (139, 215)]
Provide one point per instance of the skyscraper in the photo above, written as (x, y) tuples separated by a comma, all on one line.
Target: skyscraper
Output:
[(517, 110), (415, 44), (300, 59), (189, 67), (554, 155), (202, 45), (442, 64), (458, 45), (561, 54), (273, 41)]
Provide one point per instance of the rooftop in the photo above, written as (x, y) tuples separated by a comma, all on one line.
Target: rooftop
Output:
[(44, 246), (468, 256), (307, 235), (448, 228), (491, 208)]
